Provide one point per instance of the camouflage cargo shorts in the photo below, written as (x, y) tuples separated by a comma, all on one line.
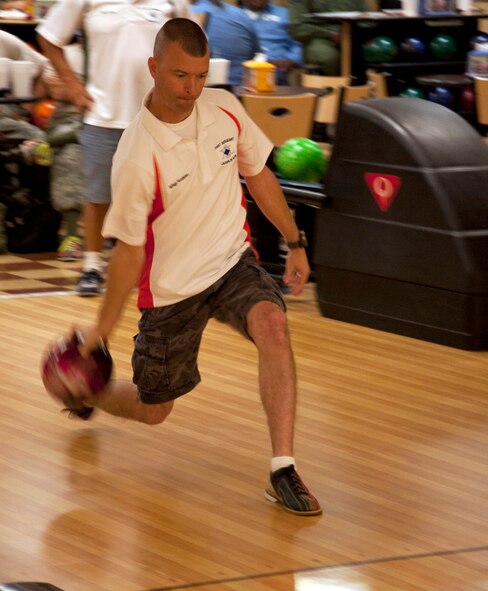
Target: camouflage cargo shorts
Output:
[(166, 348)]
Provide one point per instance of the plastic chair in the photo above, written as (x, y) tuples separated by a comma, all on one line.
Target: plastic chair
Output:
[(326, 110), (359, 92), (381, 81), (282, 117), (481, 98)]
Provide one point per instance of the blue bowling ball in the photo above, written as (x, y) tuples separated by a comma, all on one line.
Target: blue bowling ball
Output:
[(412, 47), (480, 38), (442, 96)]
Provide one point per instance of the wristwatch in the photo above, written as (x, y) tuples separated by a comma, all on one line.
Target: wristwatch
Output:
[(300, 243)]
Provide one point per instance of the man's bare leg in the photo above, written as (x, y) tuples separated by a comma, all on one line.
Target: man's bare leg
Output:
[(277, 376), (267, 326), (120, 399)]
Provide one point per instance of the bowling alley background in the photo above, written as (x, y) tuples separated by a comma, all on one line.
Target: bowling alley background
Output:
[(424, 48)]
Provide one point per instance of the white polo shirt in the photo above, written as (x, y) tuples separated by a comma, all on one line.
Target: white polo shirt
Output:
[(182, 198), (120, 35)]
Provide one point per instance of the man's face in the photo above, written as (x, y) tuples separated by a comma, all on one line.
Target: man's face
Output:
[(255, 5), (178, 82)]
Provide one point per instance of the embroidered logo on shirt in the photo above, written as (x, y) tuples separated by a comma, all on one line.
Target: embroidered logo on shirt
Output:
[(227, 154), (226, 151), (225, 148)]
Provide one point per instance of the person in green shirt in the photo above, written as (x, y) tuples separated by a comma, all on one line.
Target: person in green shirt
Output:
[(321, 43)]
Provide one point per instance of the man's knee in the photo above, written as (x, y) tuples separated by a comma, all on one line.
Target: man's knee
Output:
[(267, 322), (325, 55), (155, 414)]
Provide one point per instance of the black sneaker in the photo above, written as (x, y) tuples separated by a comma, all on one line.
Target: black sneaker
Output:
[(90, 283), (287, 488), (76, 409)]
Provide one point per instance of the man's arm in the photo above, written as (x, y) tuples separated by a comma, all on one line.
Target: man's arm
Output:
[(124, 270), (268, 195), (74, 87)]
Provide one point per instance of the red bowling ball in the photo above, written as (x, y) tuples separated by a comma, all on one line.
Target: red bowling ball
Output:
[(67, 375), (466, 100)]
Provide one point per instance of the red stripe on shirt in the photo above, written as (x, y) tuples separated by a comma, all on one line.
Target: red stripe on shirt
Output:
[(146, 298), (233, 117)]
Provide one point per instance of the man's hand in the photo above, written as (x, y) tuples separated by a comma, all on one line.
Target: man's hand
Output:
[(77, 94), (297, 270), (90, 339), (284, 65)]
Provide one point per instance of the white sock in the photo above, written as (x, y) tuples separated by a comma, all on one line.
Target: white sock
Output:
[(281, 462), (92, 261)]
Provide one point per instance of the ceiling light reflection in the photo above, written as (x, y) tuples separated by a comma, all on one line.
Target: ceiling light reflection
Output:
[(317, 582)]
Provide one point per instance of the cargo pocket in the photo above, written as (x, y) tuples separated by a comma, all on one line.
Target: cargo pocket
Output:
[(149, 358)]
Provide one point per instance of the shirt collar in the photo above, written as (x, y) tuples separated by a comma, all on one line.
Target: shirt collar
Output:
[(167, 138)]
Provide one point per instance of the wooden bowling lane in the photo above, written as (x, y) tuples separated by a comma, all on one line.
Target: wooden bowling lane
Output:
[(391, 437), (463, 569)]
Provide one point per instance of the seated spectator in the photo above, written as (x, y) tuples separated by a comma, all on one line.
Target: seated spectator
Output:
[(28, 222), (38, 128), (231, 35), (67, 178), (321, 43), (271, 22)]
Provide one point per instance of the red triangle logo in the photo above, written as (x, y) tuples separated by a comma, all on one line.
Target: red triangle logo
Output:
[(383, 187)]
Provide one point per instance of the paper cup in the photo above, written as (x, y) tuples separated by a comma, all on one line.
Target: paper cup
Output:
[(4, 72), (410, 7), (21, 75), (218, 72)]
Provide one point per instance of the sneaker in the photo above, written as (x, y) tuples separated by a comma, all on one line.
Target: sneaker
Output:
[(71, 249), (287, 488), (90, 283), (82, 412), (75, 407)]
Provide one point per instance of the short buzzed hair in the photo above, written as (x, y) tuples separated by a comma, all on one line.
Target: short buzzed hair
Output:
[(184, 31)]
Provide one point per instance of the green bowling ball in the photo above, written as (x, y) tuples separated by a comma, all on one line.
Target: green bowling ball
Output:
[(443, 47), (412, 92), (380, 49), (301, 159)]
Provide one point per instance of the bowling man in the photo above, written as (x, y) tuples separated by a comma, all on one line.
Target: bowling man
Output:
[(180, 222)]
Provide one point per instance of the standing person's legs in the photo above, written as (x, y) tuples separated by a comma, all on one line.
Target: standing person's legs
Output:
[(99, 145)]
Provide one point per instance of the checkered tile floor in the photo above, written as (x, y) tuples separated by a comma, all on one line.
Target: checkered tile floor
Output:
[(36, 273)]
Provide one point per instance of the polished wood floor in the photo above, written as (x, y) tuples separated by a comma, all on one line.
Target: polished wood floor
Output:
[(392, 436)]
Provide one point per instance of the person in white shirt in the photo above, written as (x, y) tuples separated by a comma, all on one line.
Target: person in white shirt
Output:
[(119, 37), (13, 48), (179, 217)]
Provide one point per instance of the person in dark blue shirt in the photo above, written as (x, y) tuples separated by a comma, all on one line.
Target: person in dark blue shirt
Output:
[(231, 35), (271, 22)]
